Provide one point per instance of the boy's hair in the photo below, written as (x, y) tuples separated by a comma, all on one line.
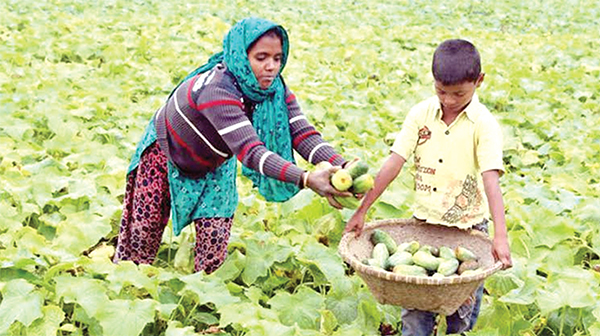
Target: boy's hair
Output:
[(456, 61)]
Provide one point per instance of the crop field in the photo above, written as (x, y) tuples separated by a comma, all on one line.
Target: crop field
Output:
[(80, 79)]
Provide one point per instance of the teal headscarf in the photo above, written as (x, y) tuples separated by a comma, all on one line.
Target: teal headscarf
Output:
[(270, 118)]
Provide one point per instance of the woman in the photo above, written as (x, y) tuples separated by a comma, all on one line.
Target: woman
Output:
[(234, 107)]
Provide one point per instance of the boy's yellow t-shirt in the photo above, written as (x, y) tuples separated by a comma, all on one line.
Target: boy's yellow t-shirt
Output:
[(449, 160)]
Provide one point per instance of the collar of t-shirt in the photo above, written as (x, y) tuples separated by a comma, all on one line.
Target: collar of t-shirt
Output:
[(471, 110)]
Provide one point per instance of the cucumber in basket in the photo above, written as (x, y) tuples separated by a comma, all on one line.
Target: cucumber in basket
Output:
[(380, 236), (410, 270), (400, 258), (380, 255)]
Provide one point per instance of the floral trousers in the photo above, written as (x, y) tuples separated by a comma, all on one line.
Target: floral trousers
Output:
[(146, 211)]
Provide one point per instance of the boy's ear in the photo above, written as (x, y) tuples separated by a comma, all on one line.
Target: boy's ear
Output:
[(480, 79)]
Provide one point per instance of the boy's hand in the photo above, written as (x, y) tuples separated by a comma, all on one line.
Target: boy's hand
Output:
[(501, 252), (356, 223)]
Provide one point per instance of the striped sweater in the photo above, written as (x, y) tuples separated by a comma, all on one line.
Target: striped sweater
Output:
[(207, 120)]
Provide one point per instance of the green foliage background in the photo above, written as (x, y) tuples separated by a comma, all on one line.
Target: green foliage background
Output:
[(79, 81)]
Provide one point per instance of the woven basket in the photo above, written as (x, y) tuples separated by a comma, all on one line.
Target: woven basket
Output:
[(439, 295)]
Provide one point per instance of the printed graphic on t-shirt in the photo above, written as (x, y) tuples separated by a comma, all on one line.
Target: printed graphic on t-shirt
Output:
[(424, 135), (464, 202), (419, 170)]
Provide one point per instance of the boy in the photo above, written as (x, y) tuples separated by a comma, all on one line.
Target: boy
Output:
[(457, 148)]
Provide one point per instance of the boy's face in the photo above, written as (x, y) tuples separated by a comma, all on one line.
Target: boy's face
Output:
[(454, 98)]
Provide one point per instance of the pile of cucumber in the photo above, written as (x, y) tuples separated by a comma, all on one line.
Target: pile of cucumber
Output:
[(416, 259)]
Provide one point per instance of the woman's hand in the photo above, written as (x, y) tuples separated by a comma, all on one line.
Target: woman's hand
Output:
[(319, 182)]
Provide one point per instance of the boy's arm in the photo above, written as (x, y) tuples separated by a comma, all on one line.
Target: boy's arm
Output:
[(493, 193), (390, 169)]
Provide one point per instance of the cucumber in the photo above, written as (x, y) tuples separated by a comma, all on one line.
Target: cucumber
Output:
[(380, 236), (425, 259), (437, 275), (410, 247), (341, 180), (448, 267), (357, 168), (348, 202), (447, 253), (410, 270), (399, 258), (380, 254), (464, 254), (427, 248), (372, 262), (362, 184)]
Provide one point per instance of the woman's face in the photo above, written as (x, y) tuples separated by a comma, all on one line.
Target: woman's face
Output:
[(265, 59)]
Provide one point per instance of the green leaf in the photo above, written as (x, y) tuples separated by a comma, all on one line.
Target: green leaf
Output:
[(245, 315), (266, 328), (80, 231), (369, 317), (255, 295), (386, 210), (92, 325), (125, 317), (343, 300), (20, 302), (128, 273), (174, 328), (166, 309), (209, 289), (523, 295), (184, 259), (31, 240), (88, 293), (300, 308), (559, 258), (594, 329), (490, 314), (232, 267), (321, 261), (49, 324), (550, 231), (565, 293), (262, 251), (327, 323)]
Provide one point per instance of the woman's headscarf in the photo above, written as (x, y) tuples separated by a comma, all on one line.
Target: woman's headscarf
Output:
[(270, 118)]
